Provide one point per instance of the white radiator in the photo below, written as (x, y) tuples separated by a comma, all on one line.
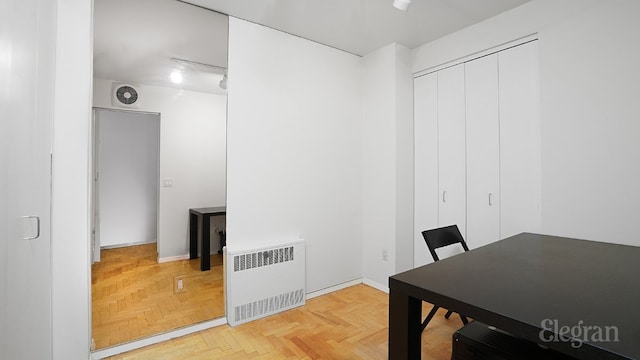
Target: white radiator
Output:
[(261, 282)]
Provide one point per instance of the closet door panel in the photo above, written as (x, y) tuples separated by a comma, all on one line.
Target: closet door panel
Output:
[(519, 140), (27, 83), (483, 151), (451, 148), (426, 163)]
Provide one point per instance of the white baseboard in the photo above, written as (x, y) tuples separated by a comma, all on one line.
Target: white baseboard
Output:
[(137, 344), (173, 258), (376, 285), (331, 289), (180, 257), (116, 246)]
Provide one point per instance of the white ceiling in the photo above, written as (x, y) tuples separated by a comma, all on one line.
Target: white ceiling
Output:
[(135, 39), (361, 26)]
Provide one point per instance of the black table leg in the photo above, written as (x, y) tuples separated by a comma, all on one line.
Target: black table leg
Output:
[(193, 236), (405, 320), (205, 254), (223, 241)]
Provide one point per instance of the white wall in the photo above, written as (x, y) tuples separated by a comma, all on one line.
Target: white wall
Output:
[(70, 250), (588, 84), (192, 155), (379, 165), (387, 163), (128, 177), (295, 150), (5, 73), (404, 159), (590, 130)]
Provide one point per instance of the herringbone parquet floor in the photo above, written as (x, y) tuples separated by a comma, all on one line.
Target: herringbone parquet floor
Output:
[(133, 296), (346, 324)]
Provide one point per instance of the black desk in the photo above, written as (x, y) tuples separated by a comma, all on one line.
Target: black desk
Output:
[(199, 220), (519, 282)]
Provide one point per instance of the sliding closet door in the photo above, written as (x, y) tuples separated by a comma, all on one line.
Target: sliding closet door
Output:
[(27, 35), (426, 162), (451, 148), (519, 140), (483, 151), (477, 148)]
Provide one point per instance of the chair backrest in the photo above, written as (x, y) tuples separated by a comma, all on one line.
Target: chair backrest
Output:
[(441, 237)]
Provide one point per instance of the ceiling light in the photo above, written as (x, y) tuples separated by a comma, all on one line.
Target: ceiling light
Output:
[(176, 77), (401, 4)]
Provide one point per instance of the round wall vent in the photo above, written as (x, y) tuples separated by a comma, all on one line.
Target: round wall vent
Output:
[(126, 95)]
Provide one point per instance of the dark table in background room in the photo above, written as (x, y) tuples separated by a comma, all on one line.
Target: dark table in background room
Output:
[(200, 232)]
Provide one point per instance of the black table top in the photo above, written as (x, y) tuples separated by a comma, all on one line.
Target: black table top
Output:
[(219, 210), (523, 283)]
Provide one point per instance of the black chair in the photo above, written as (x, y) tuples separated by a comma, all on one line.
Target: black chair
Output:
[(435, 239)]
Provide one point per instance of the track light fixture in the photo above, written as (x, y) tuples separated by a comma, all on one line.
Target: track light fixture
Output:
[(223, 82)]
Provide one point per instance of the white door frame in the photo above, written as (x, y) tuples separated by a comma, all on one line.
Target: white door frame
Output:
[(95, 185), (95, 205)]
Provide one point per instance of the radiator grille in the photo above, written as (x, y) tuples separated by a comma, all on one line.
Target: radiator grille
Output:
[(262, 258), (264, 281), (269, 305)]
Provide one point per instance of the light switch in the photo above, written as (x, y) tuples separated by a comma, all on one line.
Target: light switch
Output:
[(168, 182)]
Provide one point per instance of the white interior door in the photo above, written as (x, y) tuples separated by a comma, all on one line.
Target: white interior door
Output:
[(426, 163), (519, 140), (451, 148), (27, 30), (483, 151)]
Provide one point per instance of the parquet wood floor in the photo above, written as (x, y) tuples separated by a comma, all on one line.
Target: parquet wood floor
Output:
[(133, 296), (347, 324)]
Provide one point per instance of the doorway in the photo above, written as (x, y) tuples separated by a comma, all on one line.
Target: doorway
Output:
[(136, 293), (172, 61), (127, 145)]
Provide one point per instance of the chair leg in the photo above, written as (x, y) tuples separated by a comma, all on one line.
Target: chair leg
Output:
[(429, 317), (464, 319), (446, 316)]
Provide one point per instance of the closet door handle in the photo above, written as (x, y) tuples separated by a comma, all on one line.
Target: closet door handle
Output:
[(444, 197), (27, 225), (490, 200)]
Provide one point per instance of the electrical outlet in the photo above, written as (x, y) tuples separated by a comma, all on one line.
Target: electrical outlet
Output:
[(179, 284), (384, 255)]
